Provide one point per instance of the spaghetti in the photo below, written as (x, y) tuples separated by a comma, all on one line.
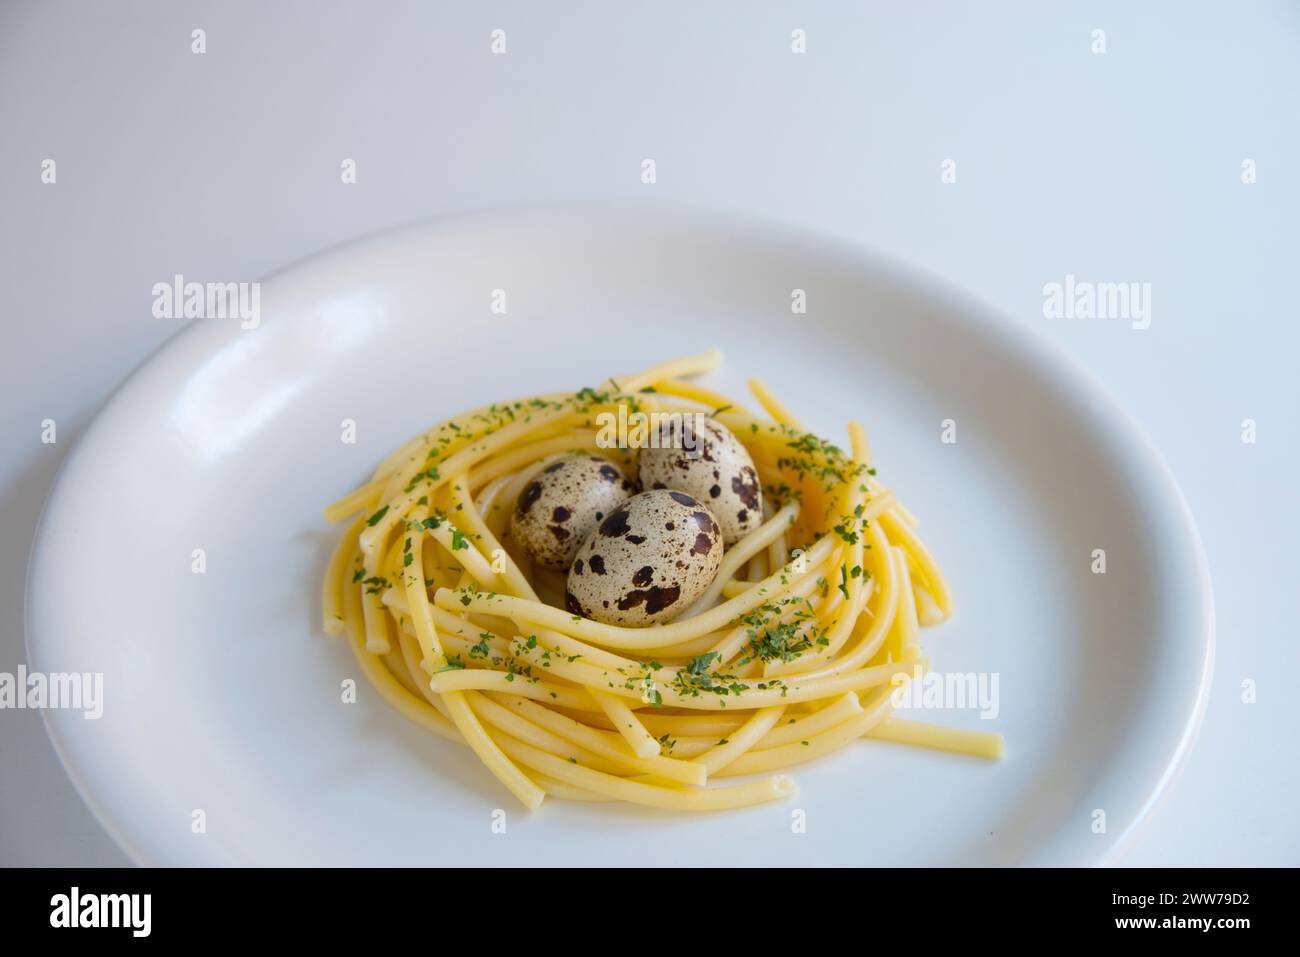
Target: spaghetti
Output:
[(793, 651)]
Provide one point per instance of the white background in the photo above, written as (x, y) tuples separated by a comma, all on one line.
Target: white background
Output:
[(1117, 167)]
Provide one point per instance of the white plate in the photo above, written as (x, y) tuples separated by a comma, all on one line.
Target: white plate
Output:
[(222, 694)]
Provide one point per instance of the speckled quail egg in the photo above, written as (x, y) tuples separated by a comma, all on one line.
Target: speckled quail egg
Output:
[(563, 504), (710, 464), (647, 561)]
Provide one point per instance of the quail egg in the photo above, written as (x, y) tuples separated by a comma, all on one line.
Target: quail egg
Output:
[(710, 464), (647, 561), (561, 506)]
